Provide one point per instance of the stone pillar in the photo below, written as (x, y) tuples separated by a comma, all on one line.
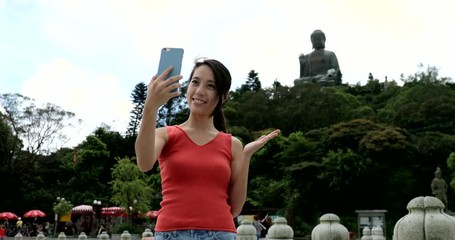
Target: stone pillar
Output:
[(425, 220), (40, 236), (246, 230), (330, 228), (147, 234), (280, 230), (61, 236), (82, 236), (104, 236), (125, 235), (366, 234), (18, 236), (377, 233)]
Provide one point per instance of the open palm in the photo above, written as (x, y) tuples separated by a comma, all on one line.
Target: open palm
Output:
[(252, 147)]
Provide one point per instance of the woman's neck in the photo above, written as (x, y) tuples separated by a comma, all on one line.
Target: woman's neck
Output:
[(199, 123)]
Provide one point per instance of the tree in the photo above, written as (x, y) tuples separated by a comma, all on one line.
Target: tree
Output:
[(421, 106), (252, 83), (130, 187), (138, 97), (61, 208), (9, 145), (169, 113), (116, 144), (89, 169), (429, 75), (451, 165), (40, 128)]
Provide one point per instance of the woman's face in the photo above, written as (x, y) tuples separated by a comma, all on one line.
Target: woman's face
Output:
[(202, 93)]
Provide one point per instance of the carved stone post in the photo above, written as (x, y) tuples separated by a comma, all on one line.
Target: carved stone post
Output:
[(40, 236), (246, 230), (125, 235), (61, 236), (330, 228), (104, 236), (280, 230), (18, 236), (366, 234), (377, 233), (82, 236), (147, 234), (425, 220)]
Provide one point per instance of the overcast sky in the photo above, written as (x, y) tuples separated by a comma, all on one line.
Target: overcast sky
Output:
[(87, 56)]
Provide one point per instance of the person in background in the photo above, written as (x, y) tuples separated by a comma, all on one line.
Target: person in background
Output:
[(2, 232), (101, 230), (6, 224), (267, 222), (258, 226), (47, 228), (19, 224), (204, 170)]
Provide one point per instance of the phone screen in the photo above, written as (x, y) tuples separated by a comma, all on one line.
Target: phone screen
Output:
[(170, 57)]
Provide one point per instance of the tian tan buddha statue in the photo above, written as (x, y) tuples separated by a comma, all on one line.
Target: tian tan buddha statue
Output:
[(320, 65)]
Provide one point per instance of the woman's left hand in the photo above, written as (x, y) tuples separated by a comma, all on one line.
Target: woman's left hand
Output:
[(252, 147)]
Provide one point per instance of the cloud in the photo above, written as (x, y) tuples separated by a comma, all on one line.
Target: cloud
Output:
[(94, 97)]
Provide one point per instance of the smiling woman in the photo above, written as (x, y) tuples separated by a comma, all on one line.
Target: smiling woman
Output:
[(202, 167)]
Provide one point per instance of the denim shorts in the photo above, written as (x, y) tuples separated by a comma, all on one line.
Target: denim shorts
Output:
[(195, 235)]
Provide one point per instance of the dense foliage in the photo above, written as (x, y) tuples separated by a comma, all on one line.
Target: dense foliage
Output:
[(343, 148)]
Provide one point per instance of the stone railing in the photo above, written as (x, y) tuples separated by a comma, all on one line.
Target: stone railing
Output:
[(279, 230)]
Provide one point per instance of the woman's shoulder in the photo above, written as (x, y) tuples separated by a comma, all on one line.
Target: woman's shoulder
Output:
[(237, 145), (168, 129), (235, 140)]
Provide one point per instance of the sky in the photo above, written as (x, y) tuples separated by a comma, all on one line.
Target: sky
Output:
[(88, 55)]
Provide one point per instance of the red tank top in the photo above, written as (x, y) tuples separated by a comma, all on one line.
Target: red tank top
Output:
[(195, 181)]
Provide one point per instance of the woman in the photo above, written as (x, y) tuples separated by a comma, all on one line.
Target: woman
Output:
[(204, 171), (258, 226)]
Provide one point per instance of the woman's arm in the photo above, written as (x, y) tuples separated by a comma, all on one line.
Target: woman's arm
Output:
[(150, 141), (239, 178), (239, 170)]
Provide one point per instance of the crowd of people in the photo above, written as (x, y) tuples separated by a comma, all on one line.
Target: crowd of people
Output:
[(26, 229)]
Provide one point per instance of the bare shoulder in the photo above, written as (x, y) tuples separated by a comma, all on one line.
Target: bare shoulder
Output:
[(161, 133), (237, 145)]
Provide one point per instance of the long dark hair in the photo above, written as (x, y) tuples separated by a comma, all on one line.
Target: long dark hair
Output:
[(223, 84)]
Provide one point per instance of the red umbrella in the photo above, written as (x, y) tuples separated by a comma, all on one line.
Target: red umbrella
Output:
[(8, 215), (34, 213), (82, 209), (112, 211)]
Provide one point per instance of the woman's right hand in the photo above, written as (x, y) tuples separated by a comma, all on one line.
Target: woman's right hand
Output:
[(159, 91)]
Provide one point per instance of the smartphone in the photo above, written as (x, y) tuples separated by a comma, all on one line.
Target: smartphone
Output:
[(170, 57)]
